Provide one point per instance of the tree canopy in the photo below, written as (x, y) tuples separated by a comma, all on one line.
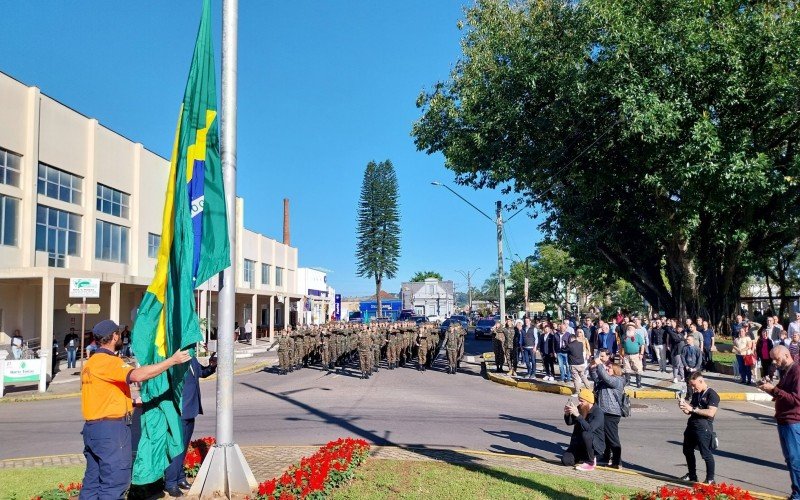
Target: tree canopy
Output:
[(659, 136), (423, 275), (378, 225)]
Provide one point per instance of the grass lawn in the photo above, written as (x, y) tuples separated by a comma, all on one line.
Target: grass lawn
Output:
[(394, 479), (725, 358), (23, 483)]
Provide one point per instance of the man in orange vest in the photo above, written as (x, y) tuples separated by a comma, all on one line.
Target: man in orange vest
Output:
[(107, 406)]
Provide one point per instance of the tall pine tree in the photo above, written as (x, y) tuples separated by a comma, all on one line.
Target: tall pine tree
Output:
[(378, 245)]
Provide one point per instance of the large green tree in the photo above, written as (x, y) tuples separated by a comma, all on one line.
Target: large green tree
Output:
[(659, 136), (423, 275), (378, 231)]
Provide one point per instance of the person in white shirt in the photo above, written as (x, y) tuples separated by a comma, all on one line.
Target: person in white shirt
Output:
[(794, 326), (16, 345), (248, 330)]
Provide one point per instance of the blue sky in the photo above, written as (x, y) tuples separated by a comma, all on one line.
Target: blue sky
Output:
[(324, 87)]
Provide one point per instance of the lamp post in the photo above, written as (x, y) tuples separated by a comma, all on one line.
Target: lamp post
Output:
[(498, 221), (468, 275)]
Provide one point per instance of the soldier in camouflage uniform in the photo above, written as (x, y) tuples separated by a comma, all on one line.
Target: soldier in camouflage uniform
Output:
[(364, 345), (377, 342), (391, 348), (508, 346), (325, 348), (462, 335), (433, 343), (451, 345), (498, 343), (422, 348), (285, 348)]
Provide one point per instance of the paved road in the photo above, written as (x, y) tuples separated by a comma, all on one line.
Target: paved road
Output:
[(406, 407)]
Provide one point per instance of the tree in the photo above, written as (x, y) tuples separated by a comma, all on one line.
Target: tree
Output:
[(423, 275), (660, 136), (378, 232)]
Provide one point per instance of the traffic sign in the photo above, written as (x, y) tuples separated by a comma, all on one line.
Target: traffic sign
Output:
[(84, 288), (83, 308), (535, 307)]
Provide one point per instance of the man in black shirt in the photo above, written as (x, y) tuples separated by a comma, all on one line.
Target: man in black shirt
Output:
[(658, 341), (699, 431)]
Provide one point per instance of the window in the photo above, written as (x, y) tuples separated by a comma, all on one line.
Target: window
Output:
[(278, 276), (112, 202), (9, 168), (111, 242), (55, 183), (249, 271), (153, 242), (9, 207), (265, 271), (58, 233)]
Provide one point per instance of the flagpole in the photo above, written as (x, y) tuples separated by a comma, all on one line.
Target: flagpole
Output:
[(225, 470)]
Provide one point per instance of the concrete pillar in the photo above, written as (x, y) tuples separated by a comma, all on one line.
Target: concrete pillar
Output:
[(287, 302), (113, 303), (253, 311), (271, 319), (47, 320), (203, 304)]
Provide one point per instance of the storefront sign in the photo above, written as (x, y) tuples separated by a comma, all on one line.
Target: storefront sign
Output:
[(337, 309), (84, 288), (23, 372)]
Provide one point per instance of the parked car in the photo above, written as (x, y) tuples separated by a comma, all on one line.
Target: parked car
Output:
[(483, 329), (406, 315), (461, 319), (419, 319)]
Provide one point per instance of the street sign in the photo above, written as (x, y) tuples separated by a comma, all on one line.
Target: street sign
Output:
[(83, 308), (88, 288), (535, 307)]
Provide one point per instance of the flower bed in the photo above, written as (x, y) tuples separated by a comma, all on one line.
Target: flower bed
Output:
[(698, 492), (63, 492), (196, 453), (315, 476)]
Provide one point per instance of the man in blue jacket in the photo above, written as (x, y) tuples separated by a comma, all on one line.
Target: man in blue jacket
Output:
[(174, 476)]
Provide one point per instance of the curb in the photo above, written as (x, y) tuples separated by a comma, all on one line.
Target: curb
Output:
[(255, 367), (535, 385)]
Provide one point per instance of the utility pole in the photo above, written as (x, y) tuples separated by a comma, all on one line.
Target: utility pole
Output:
[(501, 279)]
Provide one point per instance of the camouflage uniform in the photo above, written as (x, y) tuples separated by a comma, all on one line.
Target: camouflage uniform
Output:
[(498, 343), (364, 345), (451, 340), (285, 348), (422, 348)]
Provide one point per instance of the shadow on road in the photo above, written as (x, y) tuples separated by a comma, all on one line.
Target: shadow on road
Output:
[(741, 458)]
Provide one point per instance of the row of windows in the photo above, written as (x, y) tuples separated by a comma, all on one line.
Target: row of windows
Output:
[(249, 273)]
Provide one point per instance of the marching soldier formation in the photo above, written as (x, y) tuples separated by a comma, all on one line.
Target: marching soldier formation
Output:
[(333, 346)]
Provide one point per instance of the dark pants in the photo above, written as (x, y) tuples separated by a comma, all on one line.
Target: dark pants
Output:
[(766, 368), (745, 372), (708, 361), (498, 354), (701, 439), (581, 449), (109, 460), (549, 362), (175, 473), (613, 453)]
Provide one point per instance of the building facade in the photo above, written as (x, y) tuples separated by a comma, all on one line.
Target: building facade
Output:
[(319, 296), (429, 298), (79, 200)]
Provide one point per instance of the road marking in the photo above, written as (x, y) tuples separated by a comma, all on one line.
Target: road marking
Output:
[(759, 404)]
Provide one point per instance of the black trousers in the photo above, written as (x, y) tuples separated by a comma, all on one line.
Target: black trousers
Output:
[(499, 356), (549, 361), (766, 368), (613, 453), (700, 438), (581, 449)]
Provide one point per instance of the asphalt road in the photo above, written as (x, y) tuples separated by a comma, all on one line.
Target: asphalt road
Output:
[(407, 407)]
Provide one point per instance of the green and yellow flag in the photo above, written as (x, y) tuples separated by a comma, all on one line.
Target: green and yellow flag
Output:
[(194, 247)]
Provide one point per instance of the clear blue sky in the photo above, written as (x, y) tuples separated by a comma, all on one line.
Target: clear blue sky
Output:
[(324, 87)]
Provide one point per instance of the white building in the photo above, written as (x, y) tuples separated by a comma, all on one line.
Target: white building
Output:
[(319, 303), (428, 298), (79, 200)]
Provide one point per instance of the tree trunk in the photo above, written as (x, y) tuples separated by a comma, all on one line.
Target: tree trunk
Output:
[(379, 310)]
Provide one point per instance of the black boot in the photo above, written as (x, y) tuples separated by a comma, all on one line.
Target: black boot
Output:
[(639, 380)]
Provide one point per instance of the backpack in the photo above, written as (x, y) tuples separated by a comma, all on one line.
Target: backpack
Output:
[(624, 403)]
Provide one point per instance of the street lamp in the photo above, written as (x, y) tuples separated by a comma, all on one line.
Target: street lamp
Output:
[(498, 221), (468, 275)]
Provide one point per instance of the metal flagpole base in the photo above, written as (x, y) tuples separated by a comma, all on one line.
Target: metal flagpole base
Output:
[(224, 473)]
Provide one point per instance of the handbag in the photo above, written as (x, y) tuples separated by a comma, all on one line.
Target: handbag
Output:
[(749, 360), (624, 403)]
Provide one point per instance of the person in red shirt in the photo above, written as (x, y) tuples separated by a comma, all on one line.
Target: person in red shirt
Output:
[(787, 411)]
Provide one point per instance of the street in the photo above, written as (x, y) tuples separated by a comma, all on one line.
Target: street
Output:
[(410, 408)]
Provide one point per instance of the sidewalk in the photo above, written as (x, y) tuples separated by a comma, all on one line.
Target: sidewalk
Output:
[(267, 462), (655, 384), (66, 383)]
